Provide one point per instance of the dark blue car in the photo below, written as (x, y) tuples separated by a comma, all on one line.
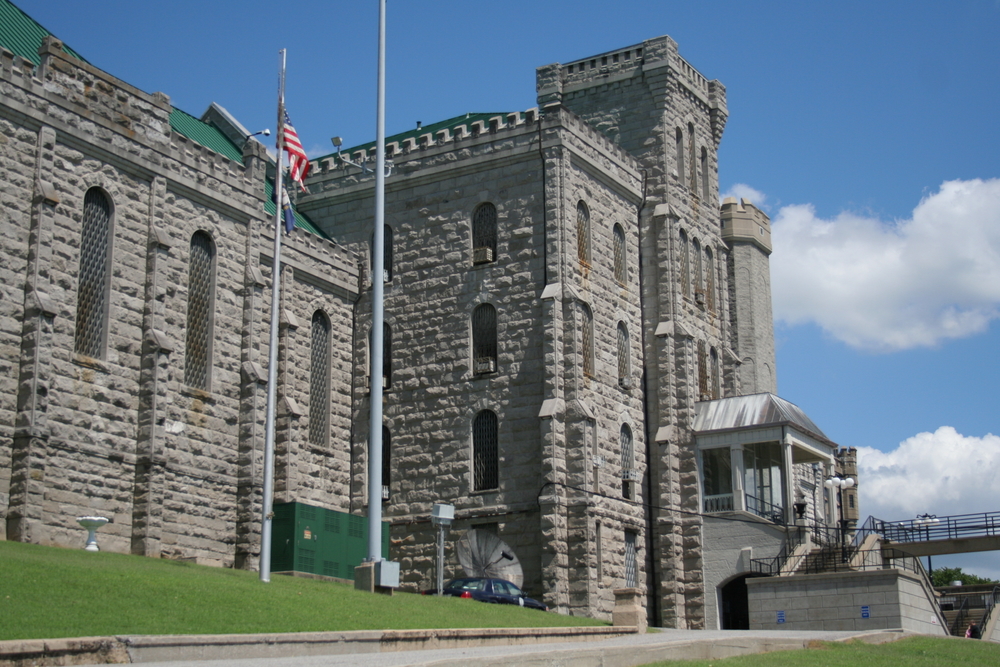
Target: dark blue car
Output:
[(497, 591)]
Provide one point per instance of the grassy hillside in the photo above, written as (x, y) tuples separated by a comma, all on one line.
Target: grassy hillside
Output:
[(46, 592)]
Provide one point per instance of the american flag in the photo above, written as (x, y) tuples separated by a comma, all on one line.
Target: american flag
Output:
[(298, 163)]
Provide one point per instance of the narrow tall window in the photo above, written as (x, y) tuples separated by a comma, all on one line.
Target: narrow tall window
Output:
[(386, 253), (92, 294), (702, 372), (484, 234), (485, 453), (709, 279), (704, 173), (621, 271), (699, 292), (714, 362), (631, 561), (693, 175), (679, 154), (624, 350), (386, 462), (628, 461), (583, 233), (587, 339), (386, 354), (201, 306), (484, 339), (685, 266), (319, 380)]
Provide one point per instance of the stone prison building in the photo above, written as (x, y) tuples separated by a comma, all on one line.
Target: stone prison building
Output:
[(578, 343)]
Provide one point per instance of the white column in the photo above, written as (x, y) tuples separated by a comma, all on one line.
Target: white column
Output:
[(739, 494)]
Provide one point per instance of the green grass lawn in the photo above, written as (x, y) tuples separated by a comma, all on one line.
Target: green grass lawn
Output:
[(910, 652), (48, 593)]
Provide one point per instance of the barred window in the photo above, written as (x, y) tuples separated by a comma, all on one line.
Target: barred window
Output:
[(685, 266), (702, 372), (628, 461), (709, 280), (386, 253), (201, 306), (621, 269), (696, 270), (319, 380), (484, 339), (386, 463), (587, 339), (714, 360), (704, 173), (95, 261), (485, 452), (631, 561), (679, 154), (583, 233), (386, 354), (484, 234), (624, 375), (694, 171)]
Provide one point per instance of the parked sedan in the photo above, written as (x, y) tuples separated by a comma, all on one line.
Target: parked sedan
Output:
[(497, 591)]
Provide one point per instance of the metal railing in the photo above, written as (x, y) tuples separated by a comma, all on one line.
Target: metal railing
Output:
[(963, 611), (992, 604), (928, 528), (764, 509)]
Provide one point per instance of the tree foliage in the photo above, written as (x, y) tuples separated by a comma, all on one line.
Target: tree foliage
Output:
[(945, 575)]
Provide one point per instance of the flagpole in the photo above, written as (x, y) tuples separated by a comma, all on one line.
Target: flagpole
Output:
[(378, 268), (267, 514)]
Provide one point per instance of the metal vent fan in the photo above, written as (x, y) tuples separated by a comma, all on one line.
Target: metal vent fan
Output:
[(483, 554)]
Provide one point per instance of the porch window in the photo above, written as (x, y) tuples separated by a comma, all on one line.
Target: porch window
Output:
[(718, 479), (762, 479)]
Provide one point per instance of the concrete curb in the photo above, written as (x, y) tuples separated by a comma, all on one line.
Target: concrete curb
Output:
[(156, 648)]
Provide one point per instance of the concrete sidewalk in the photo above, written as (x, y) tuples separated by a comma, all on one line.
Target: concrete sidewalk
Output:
[(491, 647)]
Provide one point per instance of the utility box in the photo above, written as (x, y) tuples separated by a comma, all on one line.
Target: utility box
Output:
[(319, 541)]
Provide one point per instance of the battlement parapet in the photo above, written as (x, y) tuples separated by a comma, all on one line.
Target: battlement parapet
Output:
[(744, 222)]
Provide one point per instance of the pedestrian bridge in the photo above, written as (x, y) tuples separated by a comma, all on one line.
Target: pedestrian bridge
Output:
[(931, 535)]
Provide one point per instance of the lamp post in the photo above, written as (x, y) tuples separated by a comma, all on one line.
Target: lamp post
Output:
[(441, 516), (925, 521), (840, 484)]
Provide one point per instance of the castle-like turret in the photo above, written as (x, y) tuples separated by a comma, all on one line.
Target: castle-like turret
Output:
[(747, 231)]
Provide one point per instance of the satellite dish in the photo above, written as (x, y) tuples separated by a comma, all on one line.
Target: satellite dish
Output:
[(483, 554)]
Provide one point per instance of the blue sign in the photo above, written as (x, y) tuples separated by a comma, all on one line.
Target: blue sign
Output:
[(866, 612), (781, 616)]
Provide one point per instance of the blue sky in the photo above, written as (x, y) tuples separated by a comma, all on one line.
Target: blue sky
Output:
[(868, 131)]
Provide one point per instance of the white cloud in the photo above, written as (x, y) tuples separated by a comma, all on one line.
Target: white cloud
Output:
[(892, 286), (744, 191), (942, 473)]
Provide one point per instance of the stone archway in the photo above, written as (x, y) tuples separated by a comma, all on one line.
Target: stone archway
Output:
[(734, 608)]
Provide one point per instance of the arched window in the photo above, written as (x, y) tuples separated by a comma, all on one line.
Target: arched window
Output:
[(714, 361), (685, 266), (702, 372), (484, 339), (679, 154), (699, 292), (709, 280), (319, 380), (485, 452), (704, 173), (386, 253), (621, 270), (386, 354), (201, 306), (587, 339), (583, 233), (484, 234), (386, 462), (628, 461), (693, 172), (624, 374), (95, 261)]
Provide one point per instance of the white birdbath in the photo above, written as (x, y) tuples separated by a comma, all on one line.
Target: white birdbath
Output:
[(91, 523)]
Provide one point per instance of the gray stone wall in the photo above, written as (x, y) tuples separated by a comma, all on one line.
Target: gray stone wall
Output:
[(176, 469)]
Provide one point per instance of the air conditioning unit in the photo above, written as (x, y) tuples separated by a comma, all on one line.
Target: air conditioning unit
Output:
[(485, 365), (482, 255), (625, 382), (630, 474), (597, 461), (699, 297)]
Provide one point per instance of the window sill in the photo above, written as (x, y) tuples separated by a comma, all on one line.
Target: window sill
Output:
[(90, 362)]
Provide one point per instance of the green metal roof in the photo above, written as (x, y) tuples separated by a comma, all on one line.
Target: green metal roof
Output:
[(207, 135), (451, 123), (22, 35), (301, 221)]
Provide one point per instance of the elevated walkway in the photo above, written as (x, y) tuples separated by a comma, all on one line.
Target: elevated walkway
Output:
[(935, 536)]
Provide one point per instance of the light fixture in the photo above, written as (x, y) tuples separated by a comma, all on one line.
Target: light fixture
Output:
[(266, 132)]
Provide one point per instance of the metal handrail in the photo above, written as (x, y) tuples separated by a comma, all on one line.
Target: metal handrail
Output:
[(764, 509), (925, 529), (989, 610), (963, 611)]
